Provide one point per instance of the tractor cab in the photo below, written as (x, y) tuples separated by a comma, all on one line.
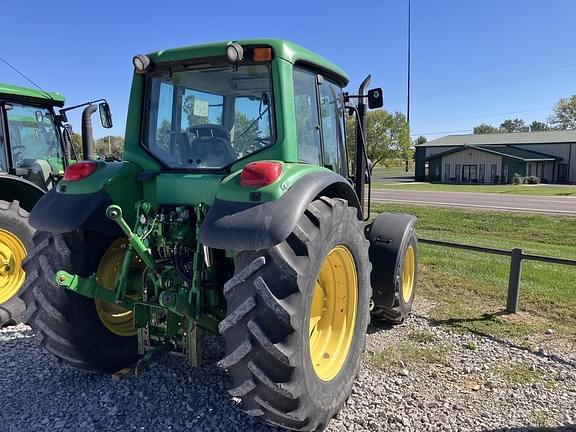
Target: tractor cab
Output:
[(31, 140), (35, 136)]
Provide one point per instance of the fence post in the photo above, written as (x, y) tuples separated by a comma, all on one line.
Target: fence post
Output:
[(512, 304)]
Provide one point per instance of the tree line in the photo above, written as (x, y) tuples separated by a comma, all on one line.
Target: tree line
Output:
[(387, 137), (109, 146), (563, 117)]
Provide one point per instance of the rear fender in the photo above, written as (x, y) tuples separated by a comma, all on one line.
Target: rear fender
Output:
[(238, 226), (82, 204), (13, 188)]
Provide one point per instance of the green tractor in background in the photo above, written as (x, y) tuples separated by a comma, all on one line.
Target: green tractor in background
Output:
[(35, 149), (233, 211)]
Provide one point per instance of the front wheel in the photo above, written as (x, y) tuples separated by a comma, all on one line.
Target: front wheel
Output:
[(296, 319), (404, 284), (15, 240)]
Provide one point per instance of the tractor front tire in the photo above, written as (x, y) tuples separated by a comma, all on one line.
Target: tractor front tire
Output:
[(65, 323), (15, 240), (405, 284), (296, 319)]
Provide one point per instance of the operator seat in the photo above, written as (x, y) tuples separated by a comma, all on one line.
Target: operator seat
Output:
[(206, 146)]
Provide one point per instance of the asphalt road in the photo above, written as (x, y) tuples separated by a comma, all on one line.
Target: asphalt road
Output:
[(518, 203)]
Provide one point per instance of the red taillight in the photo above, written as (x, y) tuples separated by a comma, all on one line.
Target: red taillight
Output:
[(257, 174), (80, 170)]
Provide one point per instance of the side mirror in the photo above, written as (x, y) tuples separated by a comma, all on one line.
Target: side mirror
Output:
[(105, 115), (375, 98)]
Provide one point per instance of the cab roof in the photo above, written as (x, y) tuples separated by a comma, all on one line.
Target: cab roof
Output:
[(10, 92), (288, 51)]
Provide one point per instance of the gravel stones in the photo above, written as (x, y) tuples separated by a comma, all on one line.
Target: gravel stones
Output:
[(494, 387)]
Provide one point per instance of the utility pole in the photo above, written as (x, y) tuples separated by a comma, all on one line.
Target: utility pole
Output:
[(408, 81)]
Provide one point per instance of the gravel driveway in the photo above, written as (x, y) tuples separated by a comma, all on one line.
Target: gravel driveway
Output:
[(460, 382)]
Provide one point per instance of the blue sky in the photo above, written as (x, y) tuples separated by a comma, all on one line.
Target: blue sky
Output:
[(472, 61)]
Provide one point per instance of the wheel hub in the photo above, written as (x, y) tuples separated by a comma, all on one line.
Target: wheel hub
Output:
[(12, 253), (333, 313), (117, 319), (408, 274)]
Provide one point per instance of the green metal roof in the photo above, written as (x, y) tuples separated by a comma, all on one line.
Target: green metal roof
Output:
[(516, 138), (503, 150), (288, 51), (7, 91), (518, 153)]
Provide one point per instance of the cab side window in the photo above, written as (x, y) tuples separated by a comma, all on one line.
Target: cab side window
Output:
[(332, 111), (3, 164), (307, 121)]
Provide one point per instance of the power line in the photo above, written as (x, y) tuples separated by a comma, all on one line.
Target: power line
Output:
[(485, 115), (494, 83), (26, 78)]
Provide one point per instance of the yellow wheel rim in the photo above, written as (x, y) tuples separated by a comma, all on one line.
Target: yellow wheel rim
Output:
[(333, 313), (118, 320), (12, 275), (408, 274)]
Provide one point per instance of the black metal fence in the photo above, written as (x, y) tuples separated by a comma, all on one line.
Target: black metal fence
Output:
[(516, 258)]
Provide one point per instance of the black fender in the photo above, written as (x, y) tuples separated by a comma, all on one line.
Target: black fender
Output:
[(60, 213), (14, 188), (389, 235), (252, 226)]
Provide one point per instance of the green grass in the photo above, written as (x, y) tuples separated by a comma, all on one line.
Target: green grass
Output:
[(407, 353), (392, 171), (518, 374), (470, 288), (421, 336), (540, 190)]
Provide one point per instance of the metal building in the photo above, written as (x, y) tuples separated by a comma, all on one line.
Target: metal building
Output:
[(496, 158)]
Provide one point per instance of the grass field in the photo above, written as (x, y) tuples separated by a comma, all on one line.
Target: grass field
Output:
[(540, 190), (469, 288)]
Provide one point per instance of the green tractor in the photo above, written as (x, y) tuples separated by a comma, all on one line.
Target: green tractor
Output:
[(233, 212), (34, 151)]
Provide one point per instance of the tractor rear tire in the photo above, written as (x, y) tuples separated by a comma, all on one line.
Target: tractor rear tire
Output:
[(65, 323), (405, 290), (283, 367), (15, 240)]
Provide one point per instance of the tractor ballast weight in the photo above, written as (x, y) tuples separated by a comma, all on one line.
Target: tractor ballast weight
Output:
[(233, 212)]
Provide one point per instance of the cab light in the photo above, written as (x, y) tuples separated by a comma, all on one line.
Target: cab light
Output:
[(80, 170), (262, 54), (258, 174)]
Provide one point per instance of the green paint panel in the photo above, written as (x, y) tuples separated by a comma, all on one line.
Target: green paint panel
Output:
[(232, 190), (182, 189), (288, 51), (7, 90)]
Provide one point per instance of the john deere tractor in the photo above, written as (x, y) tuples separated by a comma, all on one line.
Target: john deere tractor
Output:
[(233, 211), (34, 151)]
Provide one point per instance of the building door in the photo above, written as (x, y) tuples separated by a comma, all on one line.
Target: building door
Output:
[(493, 169), (470, 174), (562, 173)]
